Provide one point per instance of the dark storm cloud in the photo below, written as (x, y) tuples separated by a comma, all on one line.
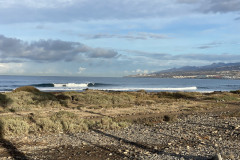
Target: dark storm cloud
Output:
[(48, 50)]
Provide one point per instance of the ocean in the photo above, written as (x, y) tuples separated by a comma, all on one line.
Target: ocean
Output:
[(54, 83)]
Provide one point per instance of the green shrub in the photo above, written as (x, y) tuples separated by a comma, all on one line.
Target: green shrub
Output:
[(70, 122), (177, 95), (5, 101), (235, 92), (15, 126), (47, 125), (27, 89), (23, 101), (63, 115), (223, 96), (109, 123), (1, 130)]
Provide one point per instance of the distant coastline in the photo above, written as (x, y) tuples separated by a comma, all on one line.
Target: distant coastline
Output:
[(213, 71)]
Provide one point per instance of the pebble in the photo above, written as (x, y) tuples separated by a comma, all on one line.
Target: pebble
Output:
[(191, 137)]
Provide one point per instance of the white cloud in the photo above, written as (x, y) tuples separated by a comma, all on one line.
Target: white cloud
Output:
[(11, 68), (3, 68), (139, 71), (81, 69), (38, 3)]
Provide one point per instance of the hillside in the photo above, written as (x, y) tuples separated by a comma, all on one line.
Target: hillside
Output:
[(215, 71)]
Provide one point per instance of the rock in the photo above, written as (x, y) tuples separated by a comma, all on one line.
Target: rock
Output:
[(147, 153), (236, 127), (125, 152), (216, 157)]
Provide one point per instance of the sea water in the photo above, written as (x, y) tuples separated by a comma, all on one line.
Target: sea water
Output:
[(53, 83)]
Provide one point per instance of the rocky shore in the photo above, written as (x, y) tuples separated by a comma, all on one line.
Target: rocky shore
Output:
[(193, 136)]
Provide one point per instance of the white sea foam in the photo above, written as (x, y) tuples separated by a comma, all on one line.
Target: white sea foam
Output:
[(63, 88), (206, 91), (151, 89), (74, 85)]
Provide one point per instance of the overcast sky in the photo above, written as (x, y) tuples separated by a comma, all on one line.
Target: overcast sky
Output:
[(115, 37)]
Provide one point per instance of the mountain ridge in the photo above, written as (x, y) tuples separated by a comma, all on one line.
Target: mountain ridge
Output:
[(214, 71)]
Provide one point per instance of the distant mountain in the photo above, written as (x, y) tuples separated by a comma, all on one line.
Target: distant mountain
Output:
[(215, 70), (212, 67)]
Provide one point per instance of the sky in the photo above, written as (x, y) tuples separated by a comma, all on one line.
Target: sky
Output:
[(114, 38)]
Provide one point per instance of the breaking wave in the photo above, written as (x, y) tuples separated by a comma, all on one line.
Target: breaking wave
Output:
[(152, 89), (103, 86), (72, 85)]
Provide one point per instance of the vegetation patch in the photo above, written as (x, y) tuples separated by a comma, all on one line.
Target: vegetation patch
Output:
[(25, 101), (5, 101), (62, 121), (177, 95), (46, 115), (235, 92), (27, 89), (14, 126), (223, 97), (230, 114)]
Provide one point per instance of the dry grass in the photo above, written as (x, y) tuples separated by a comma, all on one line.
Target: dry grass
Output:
[(30, 99), (62, 121), (14, 126), (100, 99), (26, 101), (223, 96), (230, 114)]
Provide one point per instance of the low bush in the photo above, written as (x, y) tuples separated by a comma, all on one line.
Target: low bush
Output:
[(223, 97), (27, 89), (109, 123), (47, 125), (235, 92), (25, 101), (1, 130), (177, 95), (5, 101), (14, 126)]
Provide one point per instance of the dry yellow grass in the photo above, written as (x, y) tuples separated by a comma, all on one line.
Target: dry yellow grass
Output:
[(27, 110)]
